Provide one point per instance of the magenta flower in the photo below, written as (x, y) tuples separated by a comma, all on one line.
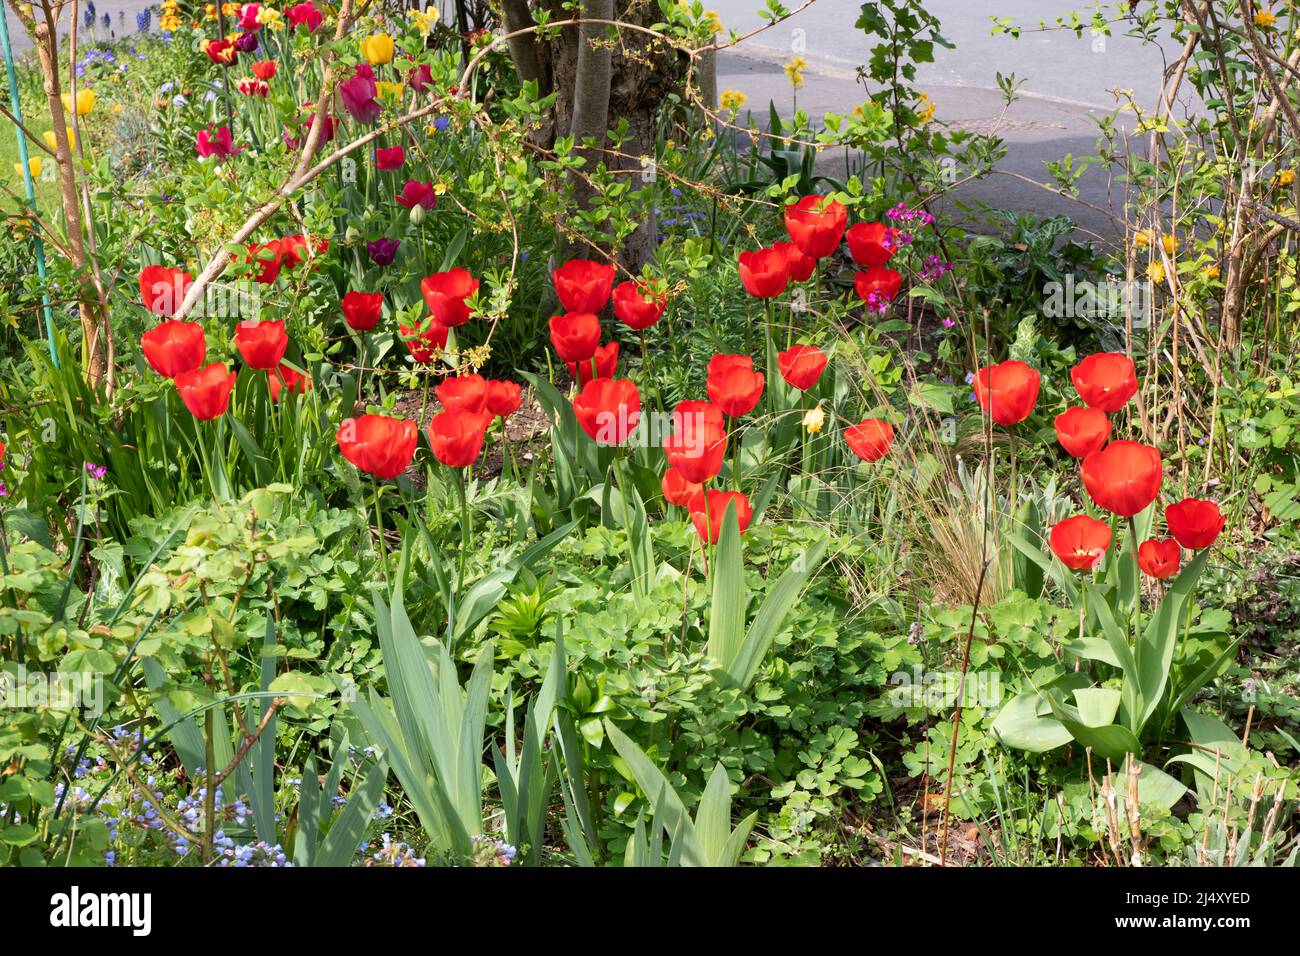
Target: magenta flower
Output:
[(217, 144), (419, 78), (383, 251), (358, 94), (304, 15), (390, 158), (416, 193)]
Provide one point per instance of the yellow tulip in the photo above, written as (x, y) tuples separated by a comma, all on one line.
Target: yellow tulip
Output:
[(377, 48), (52, 143), (85, 101), (33, 166)]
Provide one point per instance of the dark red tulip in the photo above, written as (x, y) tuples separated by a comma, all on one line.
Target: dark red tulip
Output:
[(637, 305), (162, 290), (391, 158), (262, 344), (1124, 477), (608, 410), (709, 510), (278, 379), (174, 347), (1080, 541), (575, 335), (764, 273), (677, 490), (733, 385), (816, 225), (1105, 380), (361, 310), (1007, 391), (206, 391), (1082, 430), (870, 439), (877, 287), (456, 437), (871, 244), (503, 398), (583, 285), (378, 445), (1195, 524), (801, 366), (1159, 559), (797, 266), (464, 393), (447, 294), (415, 193), (426, 341), (605, 360)]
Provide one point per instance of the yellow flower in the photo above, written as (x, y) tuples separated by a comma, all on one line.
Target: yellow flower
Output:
[(1156, 272), (1211, 271), (1265, 19), (1143, 239), (794, 71), (377, 48), (33, 166), (210, 11), (926, 111), (424, 19), (1284, 178), (230, 9), (117, 107), (270, 18), (85, 101), (51, 142), (732, 100), (814, 419), (1170, 244), (439, 189), (712, 21), (389, 91)]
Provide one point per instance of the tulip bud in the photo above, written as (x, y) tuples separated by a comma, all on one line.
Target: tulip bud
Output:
[(417, 214)]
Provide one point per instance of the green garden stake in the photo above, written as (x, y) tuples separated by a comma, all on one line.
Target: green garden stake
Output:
[(17, 110)]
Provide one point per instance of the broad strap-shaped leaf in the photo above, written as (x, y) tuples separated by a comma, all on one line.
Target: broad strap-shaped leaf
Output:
[(730, 598)]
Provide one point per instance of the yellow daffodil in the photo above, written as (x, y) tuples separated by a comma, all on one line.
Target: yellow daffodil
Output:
[(814, 419), (51, 142), (424, 19), (732, 100), (377, 48), (85, 101), (389, 91), (33, 166)]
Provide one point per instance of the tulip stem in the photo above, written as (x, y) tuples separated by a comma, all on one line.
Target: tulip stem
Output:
[(379, 522), (1137, 578), (735, 453), (464, 527), (639, 582)]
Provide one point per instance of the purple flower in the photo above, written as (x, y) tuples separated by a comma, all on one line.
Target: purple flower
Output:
[(358, 96), (4, 490), (441, 123), (96, 471), (246, 42), (383, 251)]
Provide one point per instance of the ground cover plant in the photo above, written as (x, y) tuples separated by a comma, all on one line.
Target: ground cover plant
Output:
[(470, 438)]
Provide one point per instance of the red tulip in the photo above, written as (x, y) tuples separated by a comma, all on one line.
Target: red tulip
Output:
[(1159, 559), (464, 393), (575, 335), (637, 305), (1124, 477), (361, 310), (698, 444), (251, 86), (871, 244), (446, 294), (206, 391), (878, 286), (415, 193), (456, 437), (378, 445), (391, 158), (262, 344), (264, 70), (1105, 380), (764, 273), (174, 347), (221, 52), (677, 490), (162, 290), (1195, 524), (218, 143), (606, 362), (709, 509), (295, 250), (1080, 541), (608, 410), (801, 365), (797, 266), (1082, 430), (870, 439), (1007, 391), (733, 385), (583, 285), (816, 225), (283, 377), (304, 15), (266, 259), (503, 398), (426, 341)]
